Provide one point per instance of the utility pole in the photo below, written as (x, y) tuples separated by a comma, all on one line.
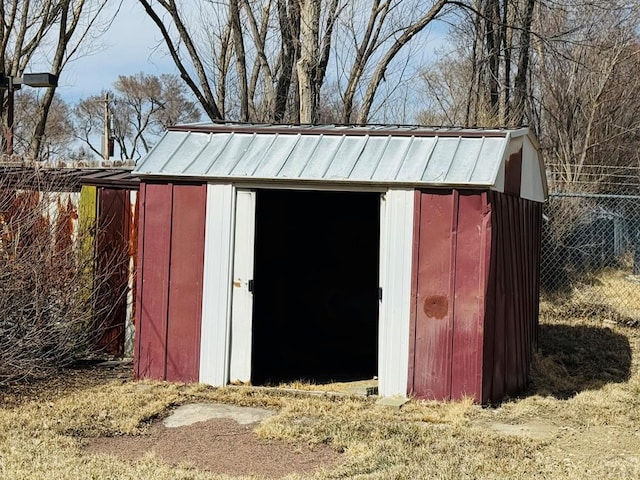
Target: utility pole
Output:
[(107, 128)]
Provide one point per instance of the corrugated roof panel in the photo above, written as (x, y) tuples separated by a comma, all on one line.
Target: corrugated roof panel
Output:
[(207, 157), (252, 151), (417, 158), (298, 155), (227, 151), (276, 158), (370, 157), (189, 151), (485, 170), (321, 159), (440, 160), (464, 161), (392, 158), (345, 158), (162, 153)]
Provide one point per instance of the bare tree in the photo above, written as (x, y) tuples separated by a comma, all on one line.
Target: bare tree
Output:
[(588, 98), (142, 107), (283, 50), (57, 141), (55, 30)]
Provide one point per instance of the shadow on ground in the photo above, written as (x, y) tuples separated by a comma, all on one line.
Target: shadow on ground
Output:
[(574, 358)]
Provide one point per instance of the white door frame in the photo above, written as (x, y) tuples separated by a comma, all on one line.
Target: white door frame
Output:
[(227, 315), (396, 256)]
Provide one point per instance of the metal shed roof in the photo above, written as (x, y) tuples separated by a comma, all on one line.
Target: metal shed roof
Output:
[(386, 155)]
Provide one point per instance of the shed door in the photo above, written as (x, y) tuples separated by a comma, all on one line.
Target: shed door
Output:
[(242, 296)]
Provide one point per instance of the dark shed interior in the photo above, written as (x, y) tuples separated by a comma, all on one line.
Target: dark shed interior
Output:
[(315, 286)]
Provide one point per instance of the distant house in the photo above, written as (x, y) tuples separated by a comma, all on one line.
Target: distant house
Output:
[(272, 253)]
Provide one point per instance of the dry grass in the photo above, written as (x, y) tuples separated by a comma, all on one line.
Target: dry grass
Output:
[(581, 418)]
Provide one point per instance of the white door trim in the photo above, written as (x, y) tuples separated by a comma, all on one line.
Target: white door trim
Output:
[(396, 254), (216, 285)]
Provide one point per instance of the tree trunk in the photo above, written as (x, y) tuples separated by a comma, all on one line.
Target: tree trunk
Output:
[(308, 63)]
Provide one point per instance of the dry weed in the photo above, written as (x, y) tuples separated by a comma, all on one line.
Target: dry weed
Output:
[(585, 396)]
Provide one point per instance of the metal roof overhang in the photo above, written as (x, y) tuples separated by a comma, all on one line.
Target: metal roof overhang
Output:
[(297, 183), (67, 179)]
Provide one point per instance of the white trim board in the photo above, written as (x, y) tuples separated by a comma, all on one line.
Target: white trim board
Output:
[(216, 285), (396, 253)]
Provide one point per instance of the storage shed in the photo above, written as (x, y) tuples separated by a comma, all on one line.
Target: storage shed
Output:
[(273, 253)]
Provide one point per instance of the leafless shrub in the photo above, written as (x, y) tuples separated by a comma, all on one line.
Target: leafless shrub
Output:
[(48, 281)]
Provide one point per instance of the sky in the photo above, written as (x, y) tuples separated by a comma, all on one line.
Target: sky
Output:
[(127, 48)]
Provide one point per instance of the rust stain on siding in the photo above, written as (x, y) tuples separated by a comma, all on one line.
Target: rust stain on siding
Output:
[(436, 306)]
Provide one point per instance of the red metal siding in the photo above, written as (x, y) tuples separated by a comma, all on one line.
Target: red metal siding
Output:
[(185, 288), (169, 293), (469, 294), (474, 294), (153, 280), (511, 319), (434, 299)]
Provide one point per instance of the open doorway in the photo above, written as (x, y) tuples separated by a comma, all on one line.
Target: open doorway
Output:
[(315, 313)]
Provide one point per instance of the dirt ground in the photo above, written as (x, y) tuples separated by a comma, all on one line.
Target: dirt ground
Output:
[(220, 446)]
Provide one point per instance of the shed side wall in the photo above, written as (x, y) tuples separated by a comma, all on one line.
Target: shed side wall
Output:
[(511, 317)]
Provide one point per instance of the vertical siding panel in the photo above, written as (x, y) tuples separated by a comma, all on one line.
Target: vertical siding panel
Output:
[(515, 295), (414, 291), (528, 230), (490, 302), (152, 312), (434, 317), (523, 210), (500, 327), (185, 289), (511, 320), (534, 277), (469, 288)]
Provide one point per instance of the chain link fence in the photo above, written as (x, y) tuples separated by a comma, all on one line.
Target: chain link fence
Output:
[(590, 258)]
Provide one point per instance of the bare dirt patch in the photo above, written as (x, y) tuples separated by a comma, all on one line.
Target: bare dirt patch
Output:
[(220, 446)]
